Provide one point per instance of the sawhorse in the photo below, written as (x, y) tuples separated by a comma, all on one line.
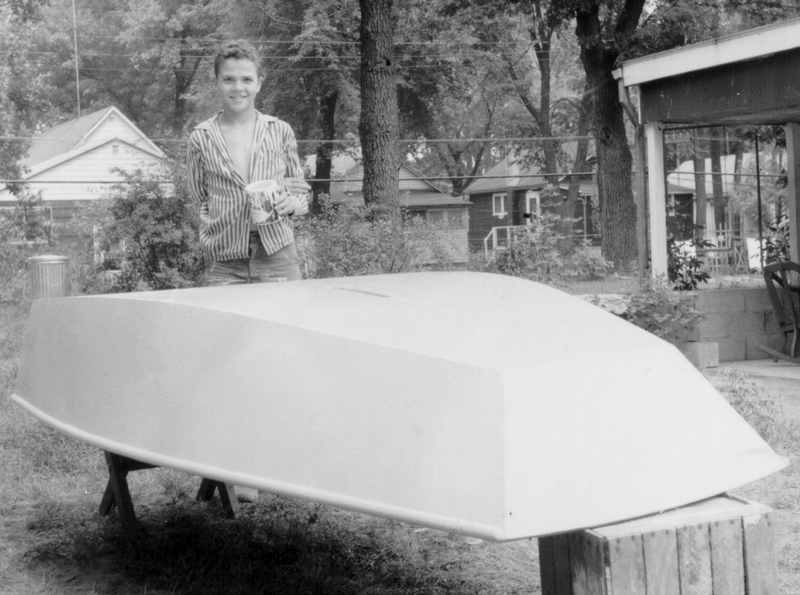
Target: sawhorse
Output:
[(117, 492)]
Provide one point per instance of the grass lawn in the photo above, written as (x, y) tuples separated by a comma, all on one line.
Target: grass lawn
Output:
[(53, 541)]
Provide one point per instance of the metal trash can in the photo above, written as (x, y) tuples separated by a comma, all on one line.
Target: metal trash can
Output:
[(49, 276)]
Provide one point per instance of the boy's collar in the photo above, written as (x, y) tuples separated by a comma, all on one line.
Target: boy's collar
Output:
[(208, 123)]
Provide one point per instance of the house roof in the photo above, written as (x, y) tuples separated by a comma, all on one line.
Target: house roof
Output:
[(738, 47), (508, 173), (676, 189), (682, 179), (414, 191), (62, 142), (410, 180), (409, 200), (61, 138)]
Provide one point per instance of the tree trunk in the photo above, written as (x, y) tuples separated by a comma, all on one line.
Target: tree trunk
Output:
[(324, 165), (378, 126), (579, 166), (614, 160), (549, 146)]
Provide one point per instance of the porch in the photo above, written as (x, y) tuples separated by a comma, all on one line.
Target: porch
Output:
[(746, 79)]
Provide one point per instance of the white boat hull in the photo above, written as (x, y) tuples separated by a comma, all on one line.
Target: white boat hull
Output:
[(474, 403)]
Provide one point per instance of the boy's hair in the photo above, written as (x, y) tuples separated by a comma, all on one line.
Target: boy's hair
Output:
[(239, 49)]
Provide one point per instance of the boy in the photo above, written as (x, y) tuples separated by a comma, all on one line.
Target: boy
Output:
[(238, 146)]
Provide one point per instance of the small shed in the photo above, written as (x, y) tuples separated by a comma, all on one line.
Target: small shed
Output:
[(73, 163), (751, 77)]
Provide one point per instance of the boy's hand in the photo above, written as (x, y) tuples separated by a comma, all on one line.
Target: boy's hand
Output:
[(286, 204), (296, 185)]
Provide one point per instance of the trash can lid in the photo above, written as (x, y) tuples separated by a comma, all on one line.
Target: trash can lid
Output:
[(48, 258)]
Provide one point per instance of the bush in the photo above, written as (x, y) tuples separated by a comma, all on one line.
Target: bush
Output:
[(683, 266), (144, 235), (663, 312), (533, 252), (585, 263), (347, 240), (777, 245)]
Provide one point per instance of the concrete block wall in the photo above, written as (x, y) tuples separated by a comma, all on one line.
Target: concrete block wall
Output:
[(737, 320)]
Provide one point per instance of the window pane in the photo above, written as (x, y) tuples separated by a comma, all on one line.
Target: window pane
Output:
[(498, 205), (455, 218), (436, 217)]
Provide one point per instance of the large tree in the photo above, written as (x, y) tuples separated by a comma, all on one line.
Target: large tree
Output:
[(605, 30), (378, 127)]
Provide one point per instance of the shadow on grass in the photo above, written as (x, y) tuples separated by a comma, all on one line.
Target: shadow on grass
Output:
[(278, 545)]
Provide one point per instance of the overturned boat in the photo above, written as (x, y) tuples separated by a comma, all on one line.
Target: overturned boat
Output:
[(476, 403)]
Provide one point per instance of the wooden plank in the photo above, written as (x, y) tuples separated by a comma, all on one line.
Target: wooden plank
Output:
[(206, 491), (727, 557), (724, 93), (230, 504), (626, 563), (547, 572), (656, 191), (761, 562), (588, 564), (661, 562), (120, 496), (694, 559), (718, 508), (562, 574)]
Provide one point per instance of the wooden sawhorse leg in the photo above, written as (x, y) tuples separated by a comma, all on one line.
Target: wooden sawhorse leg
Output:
[(118, 495), (229, 502)]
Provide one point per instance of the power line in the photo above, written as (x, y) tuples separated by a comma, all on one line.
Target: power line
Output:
[(356, 141), (359, 180), (262, 58), (355, 42)]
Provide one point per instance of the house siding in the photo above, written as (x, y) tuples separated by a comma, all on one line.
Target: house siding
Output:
[(83, 174), (112, 127), (482, 221)]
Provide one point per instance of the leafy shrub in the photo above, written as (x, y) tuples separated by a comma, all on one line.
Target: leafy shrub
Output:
[(146, 232), (663, 312), (683, 266), (585, 263), (533, 252), (776, 246), (347, 240)]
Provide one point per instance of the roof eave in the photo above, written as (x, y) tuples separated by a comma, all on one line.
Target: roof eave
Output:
[(738, 47)]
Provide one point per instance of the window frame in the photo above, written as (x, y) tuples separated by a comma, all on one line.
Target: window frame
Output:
[(501, 196)]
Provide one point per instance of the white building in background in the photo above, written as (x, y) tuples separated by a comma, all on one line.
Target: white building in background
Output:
[(72, 163)]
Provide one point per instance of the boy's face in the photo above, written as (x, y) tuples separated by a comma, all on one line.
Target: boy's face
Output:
[(237, 85)]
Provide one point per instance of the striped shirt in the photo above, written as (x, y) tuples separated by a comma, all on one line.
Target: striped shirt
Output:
[(219, 189)]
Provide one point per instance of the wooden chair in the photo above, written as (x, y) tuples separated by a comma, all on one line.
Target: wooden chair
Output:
[(781, 293)]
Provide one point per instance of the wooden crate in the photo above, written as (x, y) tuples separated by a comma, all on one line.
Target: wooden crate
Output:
[(721, 546)]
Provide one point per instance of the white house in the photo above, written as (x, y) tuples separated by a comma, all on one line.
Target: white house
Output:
[(72, 163)]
